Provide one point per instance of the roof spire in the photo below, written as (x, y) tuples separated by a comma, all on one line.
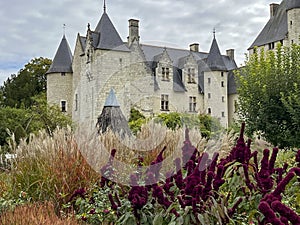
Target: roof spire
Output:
[(104, 6)]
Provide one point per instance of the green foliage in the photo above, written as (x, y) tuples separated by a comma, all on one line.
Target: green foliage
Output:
[(136, 120), (171, 120), (23, 121), (18, 90), (268, 95)]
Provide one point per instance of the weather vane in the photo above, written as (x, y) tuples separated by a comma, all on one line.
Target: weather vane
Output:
[(64, 28), (214, 32), (104, 6)]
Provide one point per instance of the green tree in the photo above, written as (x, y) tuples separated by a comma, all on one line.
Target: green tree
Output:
[(262, 83), (19, 89)]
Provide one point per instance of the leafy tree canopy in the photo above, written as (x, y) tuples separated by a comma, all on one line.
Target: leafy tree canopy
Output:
[(18, 90), (268, 88)]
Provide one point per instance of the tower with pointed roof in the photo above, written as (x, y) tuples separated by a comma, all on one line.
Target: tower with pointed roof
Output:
[(59, 78), (282, 27), (153, 79)]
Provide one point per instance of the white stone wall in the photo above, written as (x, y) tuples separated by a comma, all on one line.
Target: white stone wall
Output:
[(216, 96), (293, 19), (59, 88)]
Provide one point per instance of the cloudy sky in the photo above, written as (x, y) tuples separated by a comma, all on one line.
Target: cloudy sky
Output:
[(34, 28)]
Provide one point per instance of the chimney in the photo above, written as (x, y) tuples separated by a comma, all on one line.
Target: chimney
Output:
[(273, 9), (230, 53), (194, 47), (133, 31)]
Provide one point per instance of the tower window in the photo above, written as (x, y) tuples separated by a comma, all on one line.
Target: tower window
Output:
[(208, 80), (165, 73), (291, 22), (208, 95), (223, 114), (223, 99), (222, 84), (63, 106), (192, 104), (209, 110), (222, 74), (191, 75), (164, 103)]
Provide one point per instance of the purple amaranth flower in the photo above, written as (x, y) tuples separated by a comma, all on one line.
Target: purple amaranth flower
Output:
[(284, 220), (254, 156), (112, 202), (92, 211), (107, 171), (270, 216), (273, 159), (264, 179), (281, 186), (218, 181), (178, 176), (79, 192), (232, 210), (208, 187), (169, 184), (247, 179), (286, 212)]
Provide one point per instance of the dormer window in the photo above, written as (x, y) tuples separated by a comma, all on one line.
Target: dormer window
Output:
[(191, 75), (271, 46), (165, 73)]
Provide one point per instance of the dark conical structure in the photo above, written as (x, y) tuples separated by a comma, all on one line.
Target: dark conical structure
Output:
[(112, 117), (62, 62), (215, 60)]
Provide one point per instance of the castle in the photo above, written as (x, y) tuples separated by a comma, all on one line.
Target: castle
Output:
[(154, 79)]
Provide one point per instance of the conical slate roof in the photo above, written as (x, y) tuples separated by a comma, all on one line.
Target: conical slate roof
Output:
[(215, 60), (112, 117), (62, 61), (109, 38), (111, 100)]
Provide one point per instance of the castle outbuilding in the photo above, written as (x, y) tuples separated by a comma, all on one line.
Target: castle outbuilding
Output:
[(153, 79), (282, 27)]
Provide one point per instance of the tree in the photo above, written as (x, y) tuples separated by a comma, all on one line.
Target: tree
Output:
[(31, 80), (264, 84)]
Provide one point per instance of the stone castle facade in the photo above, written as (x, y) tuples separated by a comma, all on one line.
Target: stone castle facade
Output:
[(155, 79)]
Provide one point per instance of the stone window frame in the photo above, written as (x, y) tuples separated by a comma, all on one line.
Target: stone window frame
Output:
[(63, 106), (164, 104), (191, 75), (165, 73), (192, 103)]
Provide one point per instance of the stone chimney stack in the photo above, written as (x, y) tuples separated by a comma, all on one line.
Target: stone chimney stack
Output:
[(194, 47), (133, 31), (273, 9), (230, 53)]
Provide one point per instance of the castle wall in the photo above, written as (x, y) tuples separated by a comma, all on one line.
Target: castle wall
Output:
[(293, 19)]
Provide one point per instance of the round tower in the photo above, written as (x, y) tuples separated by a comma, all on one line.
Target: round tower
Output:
[(293, 20), (59, 78)]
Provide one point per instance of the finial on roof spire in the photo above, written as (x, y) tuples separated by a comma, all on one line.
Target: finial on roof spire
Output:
[(214, 32), (64, 29), (104, 6)]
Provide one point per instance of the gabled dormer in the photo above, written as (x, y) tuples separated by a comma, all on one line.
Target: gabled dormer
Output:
[(189, 67), (164, 69)]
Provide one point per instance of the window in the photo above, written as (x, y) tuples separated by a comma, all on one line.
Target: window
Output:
[(192, 104), (291, 22), (223, 114), (209, 110), (222, 84), (191, 75), (76, 102), (63, 74), (222, 74), (165, 73), (165, 102), (63, 106), (271, 45), (223, 99), (209, 95), (208, 80)]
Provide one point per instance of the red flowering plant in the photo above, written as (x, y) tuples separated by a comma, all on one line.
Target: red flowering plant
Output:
[(202, 189)]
